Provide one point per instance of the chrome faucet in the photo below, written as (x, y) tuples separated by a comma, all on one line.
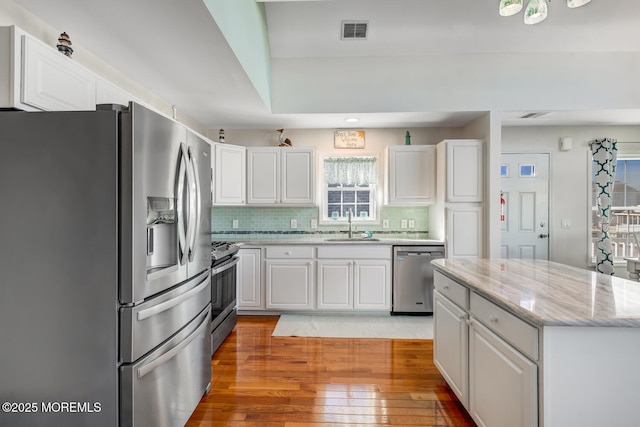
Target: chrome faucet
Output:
[(350, 224)]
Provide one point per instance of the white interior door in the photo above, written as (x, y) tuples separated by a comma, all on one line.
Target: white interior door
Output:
[(525, 211)]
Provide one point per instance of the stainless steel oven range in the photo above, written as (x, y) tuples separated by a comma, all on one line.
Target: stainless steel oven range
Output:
[(224, 260)]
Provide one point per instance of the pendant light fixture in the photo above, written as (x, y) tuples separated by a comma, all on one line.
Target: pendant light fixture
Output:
[(510, 7), (577, 3), (536, 10)]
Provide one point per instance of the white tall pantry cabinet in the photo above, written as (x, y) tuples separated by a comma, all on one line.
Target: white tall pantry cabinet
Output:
[(460, 189)]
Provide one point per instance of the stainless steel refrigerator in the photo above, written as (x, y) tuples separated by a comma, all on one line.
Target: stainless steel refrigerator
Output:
[(104, 268)]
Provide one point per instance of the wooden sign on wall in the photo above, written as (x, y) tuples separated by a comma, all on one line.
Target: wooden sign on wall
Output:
[(348, 139)]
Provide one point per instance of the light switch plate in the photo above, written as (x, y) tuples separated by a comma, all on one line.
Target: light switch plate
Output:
[(314, 224), (403, 223), (234, 223), (385, 223), (294, 223), (412, 223), (565, 223)]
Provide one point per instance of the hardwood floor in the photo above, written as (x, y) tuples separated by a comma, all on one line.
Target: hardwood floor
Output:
[(260, 380)]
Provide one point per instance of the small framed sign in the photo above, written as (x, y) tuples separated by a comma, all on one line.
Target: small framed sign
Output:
[(348, 139)]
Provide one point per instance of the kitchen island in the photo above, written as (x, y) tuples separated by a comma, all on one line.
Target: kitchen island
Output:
[(536, 343)]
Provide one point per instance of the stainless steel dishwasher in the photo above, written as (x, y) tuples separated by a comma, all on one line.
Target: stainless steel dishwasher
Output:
[(413, 278)]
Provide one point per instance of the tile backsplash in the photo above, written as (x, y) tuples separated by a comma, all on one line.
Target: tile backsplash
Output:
[(259, 219)]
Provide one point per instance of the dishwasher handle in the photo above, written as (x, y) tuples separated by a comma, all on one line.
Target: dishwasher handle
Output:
[(420, 253)]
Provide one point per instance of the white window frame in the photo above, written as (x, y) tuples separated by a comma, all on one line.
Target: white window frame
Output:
[(375, 199)]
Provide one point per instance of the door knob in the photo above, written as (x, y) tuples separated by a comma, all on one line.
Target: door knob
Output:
[(542, 235)]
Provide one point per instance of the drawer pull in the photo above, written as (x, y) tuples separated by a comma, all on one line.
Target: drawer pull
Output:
[(493, 318), (288, 253), (445, 287)]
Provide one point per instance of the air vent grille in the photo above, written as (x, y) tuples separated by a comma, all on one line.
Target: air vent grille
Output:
[(354, 30), (534, 115)]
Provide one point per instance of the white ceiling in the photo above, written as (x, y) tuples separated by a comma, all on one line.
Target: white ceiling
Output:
[(175, 49)]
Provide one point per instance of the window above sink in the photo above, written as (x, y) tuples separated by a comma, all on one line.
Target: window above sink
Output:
[(350, 183)]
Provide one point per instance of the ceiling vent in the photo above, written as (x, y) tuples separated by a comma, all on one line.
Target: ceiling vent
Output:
[(534, 115), (354, 30)]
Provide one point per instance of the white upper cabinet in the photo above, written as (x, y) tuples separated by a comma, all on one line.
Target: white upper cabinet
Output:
[(465, 171), (38, 77), (229, 169), (108, 93), (411, 174), (263, 165), (280, 175), (298, 175), (51, 81)]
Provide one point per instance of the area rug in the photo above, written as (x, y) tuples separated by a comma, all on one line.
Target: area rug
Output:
[(329, 326)]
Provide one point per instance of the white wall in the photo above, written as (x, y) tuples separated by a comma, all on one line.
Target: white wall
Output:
[(487, 128), (570, 177), (470, 82)]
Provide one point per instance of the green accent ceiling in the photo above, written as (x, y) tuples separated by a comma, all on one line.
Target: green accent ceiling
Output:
[(244, 25)]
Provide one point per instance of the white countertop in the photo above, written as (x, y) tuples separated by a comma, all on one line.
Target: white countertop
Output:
[(548, 293)]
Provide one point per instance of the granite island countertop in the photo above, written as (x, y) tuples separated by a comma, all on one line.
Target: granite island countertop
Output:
[(546, 293)]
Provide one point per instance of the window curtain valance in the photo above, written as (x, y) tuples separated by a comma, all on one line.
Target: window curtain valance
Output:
[(350, 170), (605, 155)]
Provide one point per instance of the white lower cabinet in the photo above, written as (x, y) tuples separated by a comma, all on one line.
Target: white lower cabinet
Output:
[(451, 346), (249, 289), (372, 285), (486, 355), (354, 284), (289, 284), (315, 278), (502, 382), (335, 284), (354, 277)]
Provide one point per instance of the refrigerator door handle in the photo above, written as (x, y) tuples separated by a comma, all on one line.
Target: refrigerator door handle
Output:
[(194, 206), (164, 358), (152, 311), (182, 224)]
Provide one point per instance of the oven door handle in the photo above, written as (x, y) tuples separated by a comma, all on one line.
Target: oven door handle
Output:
[(227, 265), (164, 306)]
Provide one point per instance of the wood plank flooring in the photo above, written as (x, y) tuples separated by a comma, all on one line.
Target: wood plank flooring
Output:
[(260, 380)]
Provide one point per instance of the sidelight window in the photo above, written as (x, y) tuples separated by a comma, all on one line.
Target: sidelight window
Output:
[(625, 210)]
